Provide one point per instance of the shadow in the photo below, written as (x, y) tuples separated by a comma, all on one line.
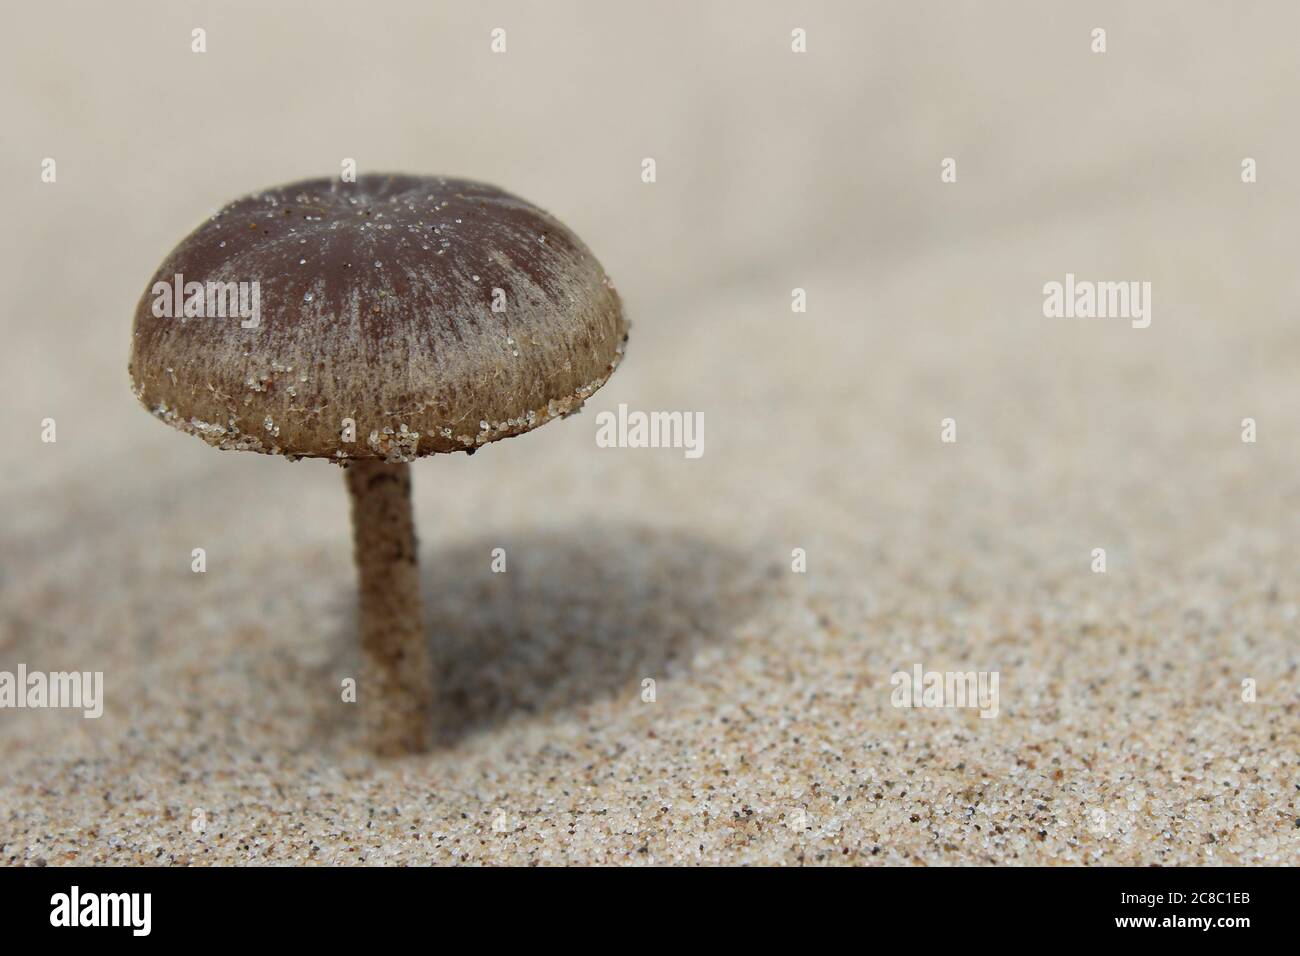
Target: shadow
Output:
[(579, 615)]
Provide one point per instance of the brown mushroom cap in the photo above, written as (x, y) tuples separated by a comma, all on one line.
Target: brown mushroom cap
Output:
[(376, 305)]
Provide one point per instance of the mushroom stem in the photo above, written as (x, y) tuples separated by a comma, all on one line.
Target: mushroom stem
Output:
[(396, 686)]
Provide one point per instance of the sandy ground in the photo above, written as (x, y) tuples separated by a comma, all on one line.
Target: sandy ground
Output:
[(1122, 735)]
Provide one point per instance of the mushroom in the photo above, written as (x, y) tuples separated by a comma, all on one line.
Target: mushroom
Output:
[(371, 323)]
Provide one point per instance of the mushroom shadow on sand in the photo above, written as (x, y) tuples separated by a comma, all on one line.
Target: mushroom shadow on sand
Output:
[(579, 616)]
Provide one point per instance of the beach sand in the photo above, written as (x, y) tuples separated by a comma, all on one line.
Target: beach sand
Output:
[(1122, 735)]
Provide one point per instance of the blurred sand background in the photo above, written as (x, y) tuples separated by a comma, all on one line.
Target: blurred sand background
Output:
[(1120, 692)]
